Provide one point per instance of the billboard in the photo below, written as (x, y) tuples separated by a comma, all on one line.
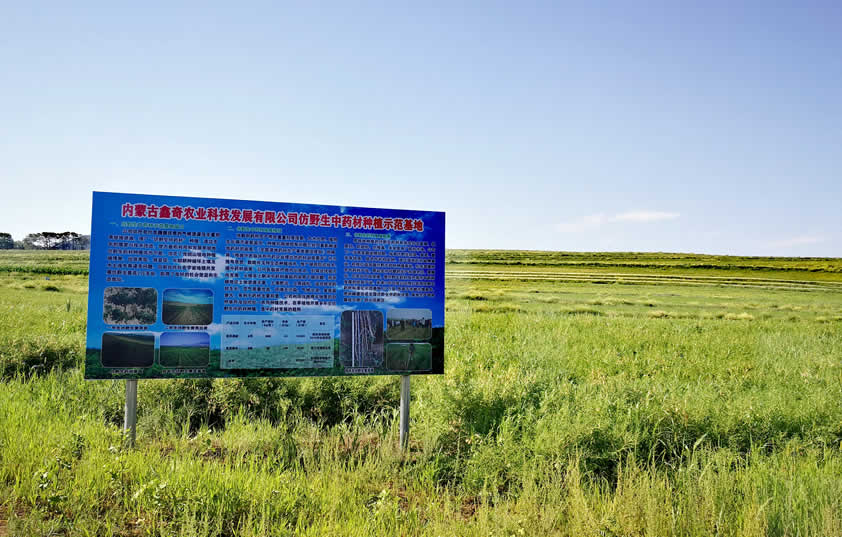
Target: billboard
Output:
[(197, 287)]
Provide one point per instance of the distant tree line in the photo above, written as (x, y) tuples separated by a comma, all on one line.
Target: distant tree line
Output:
[(47, 240)]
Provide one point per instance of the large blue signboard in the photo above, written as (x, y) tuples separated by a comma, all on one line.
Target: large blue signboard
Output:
[(197, 287)]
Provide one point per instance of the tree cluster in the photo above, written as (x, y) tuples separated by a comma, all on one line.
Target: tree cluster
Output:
[(47, 240)]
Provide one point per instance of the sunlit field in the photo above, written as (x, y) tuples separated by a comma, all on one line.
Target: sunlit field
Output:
[(584, 394)]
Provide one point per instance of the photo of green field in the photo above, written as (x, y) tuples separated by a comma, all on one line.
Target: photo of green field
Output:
[(404, 324), (187, 307), (130, 305), (184, 349), (583, 394), (127, 350), (409, 356)]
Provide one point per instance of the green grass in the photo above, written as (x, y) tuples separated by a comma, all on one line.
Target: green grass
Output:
[(659, 401), (44, 261), (647, 262), (41, 329)]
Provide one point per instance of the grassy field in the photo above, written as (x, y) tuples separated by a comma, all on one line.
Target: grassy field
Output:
[(44, 262), (584, 394)]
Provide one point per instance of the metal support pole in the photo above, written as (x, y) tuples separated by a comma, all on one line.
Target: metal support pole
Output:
[(130, 415), (404, 411)]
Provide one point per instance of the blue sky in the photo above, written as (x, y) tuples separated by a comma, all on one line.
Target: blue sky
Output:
[(189, 296), (711, 127), (409, 313), (185, 339)]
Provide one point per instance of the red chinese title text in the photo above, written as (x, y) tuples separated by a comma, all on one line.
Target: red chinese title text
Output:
[(249, 216)]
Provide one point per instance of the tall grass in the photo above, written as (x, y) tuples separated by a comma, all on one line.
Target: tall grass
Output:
[(44, 261), (579, 414)]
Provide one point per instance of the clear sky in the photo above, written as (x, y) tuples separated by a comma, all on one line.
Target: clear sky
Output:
[(711, 127), (189, 296), (185, 339)]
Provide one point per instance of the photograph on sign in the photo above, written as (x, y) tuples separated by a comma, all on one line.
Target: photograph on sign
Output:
[(362, 339), (187, 306), (184, 349), (130, 305), (409, 357), (409, 324), (127, 350), (198, 287)]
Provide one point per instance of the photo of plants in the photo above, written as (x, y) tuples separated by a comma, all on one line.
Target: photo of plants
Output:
[(361, 338), (130, 305)]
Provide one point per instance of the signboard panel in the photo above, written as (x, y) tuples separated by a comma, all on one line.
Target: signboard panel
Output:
[(198, 287)]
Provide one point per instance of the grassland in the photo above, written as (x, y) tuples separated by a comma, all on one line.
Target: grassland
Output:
[(44, 262), (584, 394)]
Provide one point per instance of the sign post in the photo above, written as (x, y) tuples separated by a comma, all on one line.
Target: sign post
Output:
[(404, 412), (130, 413), (184, 287)]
